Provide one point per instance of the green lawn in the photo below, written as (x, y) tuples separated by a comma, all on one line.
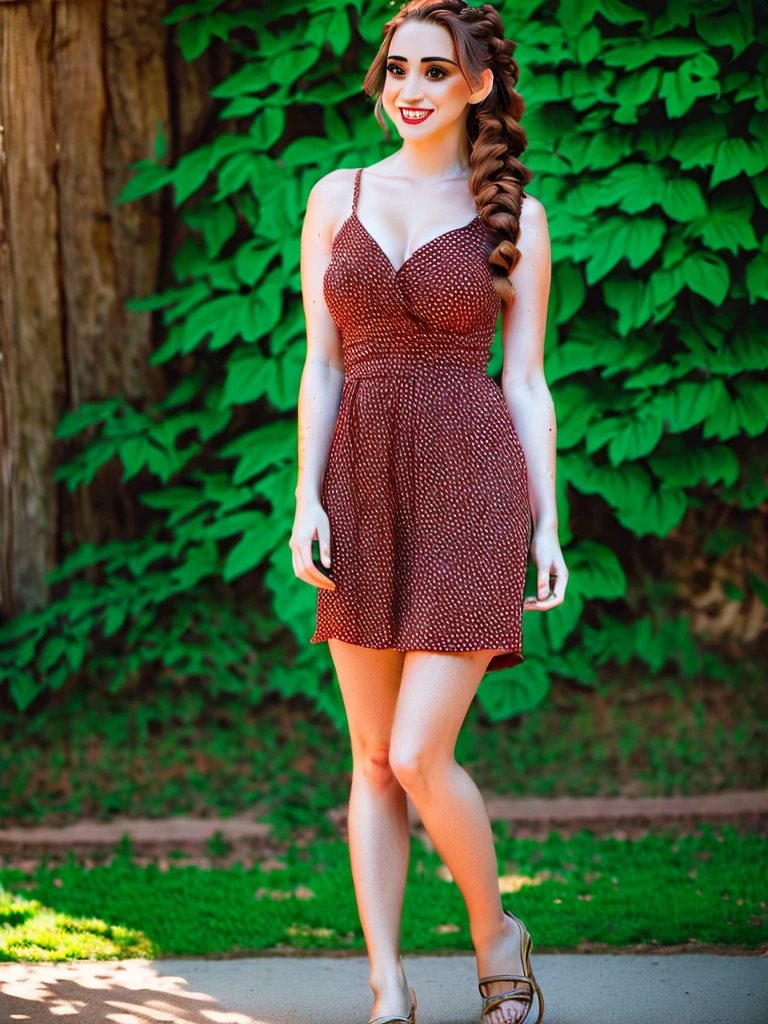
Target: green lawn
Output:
[(709, 886)]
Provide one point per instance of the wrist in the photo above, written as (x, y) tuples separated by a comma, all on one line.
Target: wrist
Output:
[(307, 493), (546, 524)]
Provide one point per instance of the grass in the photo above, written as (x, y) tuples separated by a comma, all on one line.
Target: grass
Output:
[(661, 889), (97, 755)]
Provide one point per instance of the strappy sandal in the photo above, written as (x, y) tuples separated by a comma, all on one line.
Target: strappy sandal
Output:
[(525, 995), (410, 1019)]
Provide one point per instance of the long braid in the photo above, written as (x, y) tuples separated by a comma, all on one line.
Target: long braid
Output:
[(495, 137)]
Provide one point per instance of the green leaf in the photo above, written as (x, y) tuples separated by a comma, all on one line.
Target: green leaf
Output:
[(688, 404), (692, 80), (252, 77), (258, 449), (616, 238), (253, 548), (748, 412), (220, 318), (235, 172), (562, 621), (636, 435), (632, 300), (737, 155), (757, 278), (707, 275), (217, 222), (54, 650), (697, 142), (87, 415), (515, 690), (134, 452), (194, 36), (249, 376), (252, 260), (682, 200), (690, 466), (595, 572), (238, 523), (149, 178), (663, 511), (728, 225), (268, 127), (726, 29), (191, 172)]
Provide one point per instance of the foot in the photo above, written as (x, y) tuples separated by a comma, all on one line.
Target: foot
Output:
[(391, 997), (502, 955)]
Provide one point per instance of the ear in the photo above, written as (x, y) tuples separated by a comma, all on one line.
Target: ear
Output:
[(486, 77)]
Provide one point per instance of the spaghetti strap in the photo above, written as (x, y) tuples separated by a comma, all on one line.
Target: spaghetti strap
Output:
[(356, 195)]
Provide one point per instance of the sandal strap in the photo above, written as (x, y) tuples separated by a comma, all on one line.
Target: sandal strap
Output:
[(394, 1018), (492, 1002), (501, 977)]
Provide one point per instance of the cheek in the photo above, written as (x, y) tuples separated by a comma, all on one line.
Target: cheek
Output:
[(454, 96)]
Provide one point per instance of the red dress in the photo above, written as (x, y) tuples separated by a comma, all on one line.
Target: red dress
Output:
[(425, 485)]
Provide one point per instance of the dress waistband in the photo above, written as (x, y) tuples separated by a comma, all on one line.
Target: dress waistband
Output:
[(389, 367)]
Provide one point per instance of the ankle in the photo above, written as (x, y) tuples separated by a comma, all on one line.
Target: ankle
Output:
[(388, 978), (491, 933)]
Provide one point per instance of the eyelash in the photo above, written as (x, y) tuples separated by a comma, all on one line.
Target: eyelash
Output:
[(432, 67)]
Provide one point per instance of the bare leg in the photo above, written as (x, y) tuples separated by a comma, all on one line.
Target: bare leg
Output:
[(435, 694), (378, 815)]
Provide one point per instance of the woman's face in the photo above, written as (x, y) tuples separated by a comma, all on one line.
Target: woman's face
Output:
[(423, 79)]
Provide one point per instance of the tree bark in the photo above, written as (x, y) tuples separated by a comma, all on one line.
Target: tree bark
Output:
[(85, 89)]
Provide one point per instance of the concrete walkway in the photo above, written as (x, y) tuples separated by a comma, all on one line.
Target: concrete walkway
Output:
[(597, 989)]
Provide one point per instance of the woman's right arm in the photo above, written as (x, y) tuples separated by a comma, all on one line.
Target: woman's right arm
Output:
[(322, 379)]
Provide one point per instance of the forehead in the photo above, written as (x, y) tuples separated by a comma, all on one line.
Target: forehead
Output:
[(416, 39)]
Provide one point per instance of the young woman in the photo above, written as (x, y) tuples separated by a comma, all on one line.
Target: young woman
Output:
[(425, 483)]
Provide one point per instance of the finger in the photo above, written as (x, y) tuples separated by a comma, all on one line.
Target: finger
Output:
[(303, 570), (325, 548), (542, 604), (313, 573)]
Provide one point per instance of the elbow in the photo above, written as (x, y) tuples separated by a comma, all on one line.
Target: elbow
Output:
[(525, 379)]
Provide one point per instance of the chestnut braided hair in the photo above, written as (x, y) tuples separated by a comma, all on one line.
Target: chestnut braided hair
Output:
[(495, 138)]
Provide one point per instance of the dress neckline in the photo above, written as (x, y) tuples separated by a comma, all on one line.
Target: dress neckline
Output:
[(419, 249), (432, 241)]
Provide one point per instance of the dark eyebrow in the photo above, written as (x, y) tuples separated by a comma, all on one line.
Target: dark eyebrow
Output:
[(424, 60)]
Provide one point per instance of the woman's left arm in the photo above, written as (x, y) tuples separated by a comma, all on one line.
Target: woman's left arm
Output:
[(523, 326)]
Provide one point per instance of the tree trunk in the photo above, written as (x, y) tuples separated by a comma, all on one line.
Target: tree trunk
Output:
[(85, 89)]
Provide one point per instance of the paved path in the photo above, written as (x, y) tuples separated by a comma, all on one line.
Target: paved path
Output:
[(627, 989)]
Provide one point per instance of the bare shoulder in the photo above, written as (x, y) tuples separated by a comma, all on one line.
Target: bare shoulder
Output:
[(333, 190), (533, 217), (328, 203)]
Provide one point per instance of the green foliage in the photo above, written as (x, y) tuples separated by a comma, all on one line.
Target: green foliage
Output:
[(648, 133), (218, 748), (660, 889), (32, 933)]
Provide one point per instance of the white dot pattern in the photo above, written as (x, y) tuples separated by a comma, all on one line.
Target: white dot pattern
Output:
[(426, 485)]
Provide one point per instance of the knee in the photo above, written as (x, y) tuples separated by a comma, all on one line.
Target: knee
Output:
[(411, 766), (374, 765)]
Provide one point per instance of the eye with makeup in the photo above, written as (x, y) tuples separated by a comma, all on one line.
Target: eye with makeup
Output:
[(434, 67)]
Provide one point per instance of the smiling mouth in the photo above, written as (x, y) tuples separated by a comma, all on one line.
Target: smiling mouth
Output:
[(414, 114)]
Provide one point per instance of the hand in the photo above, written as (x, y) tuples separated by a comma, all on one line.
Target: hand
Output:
[(553, 575), (311, 521)]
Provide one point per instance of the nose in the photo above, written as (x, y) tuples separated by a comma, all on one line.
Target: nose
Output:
[(411, 90)]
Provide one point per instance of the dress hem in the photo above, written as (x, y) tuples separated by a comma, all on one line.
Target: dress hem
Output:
[(499, 661)]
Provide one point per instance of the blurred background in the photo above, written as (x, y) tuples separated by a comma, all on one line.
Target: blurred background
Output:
[(155, 161)]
